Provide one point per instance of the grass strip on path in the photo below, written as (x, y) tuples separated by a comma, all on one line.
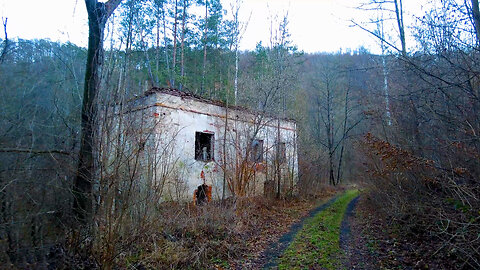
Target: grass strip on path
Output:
[(277, 248), (317, 244)]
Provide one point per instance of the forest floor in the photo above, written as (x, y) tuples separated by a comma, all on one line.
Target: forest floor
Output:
[(269, 257), (270, 228), (314, 242), (273, 236), (341, 231), (374, 243), (335, 229)]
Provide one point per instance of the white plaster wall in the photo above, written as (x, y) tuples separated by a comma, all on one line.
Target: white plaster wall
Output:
[(180, 118)]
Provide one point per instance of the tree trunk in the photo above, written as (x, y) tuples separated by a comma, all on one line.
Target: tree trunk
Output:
[(202, 88), (401, 27), (128, 48), (165, 45), (157, 49), (98, 14), (225, 152), (236, 37), (182, 46), (174, 53), (6, 41), (329, 130), (476, 18), (385, 71), (344, 136), (236, 75), (331, 173), (277, 161)]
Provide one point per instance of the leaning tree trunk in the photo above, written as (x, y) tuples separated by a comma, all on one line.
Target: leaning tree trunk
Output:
[(98, 14)]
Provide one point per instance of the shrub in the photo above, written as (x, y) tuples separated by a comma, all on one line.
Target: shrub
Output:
[(422, 199)]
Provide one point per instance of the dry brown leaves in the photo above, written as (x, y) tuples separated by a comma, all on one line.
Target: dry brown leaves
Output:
[(262, 222), (376, 244)]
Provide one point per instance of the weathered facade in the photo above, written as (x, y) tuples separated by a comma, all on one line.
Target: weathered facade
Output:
[(184, 141)]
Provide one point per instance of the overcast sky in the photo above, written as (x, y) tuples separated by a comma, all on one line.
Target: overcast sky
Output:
[(315, 25)]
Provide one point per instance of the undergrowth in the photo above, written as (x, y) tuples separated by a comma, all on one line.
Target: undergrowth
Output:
[(431, 204), (215, 236), (229, 235)]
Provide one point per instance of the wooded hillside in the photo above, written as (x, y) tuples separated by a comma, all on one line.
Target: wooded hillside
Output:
[(404, 125)]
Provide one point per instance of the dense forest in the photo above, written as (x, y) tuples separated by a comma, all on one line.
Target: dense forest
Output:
[(403, 125)]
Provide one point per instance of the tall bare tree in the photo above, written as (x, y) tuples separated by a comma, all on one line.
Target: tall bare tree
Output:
[(174, 35), (401, 26), (394, 7), (98, 14), (476, 18), (182, 42), (205, 40), (6, 42)]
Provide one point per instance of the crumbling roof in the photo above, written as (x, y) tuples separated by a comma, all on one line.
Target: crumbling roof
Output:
[(188, 95), (192, 96)]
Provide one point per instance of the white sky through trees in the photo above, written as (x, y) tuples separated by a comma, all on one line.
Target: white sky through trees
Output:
[(314, 25)]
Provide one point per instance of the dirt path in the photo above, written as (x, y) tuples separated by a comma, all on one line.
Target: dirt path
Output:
[(358, 250), (346, 238), (268, 258), (345, 228)]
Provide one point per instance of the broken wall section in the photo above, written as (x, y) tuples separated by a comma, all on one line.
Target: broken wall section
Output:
[(162, 143), (236, 135)]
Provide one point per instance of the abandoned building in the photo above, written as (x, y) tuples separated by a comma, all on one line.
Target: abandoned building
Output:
[(185, 142)]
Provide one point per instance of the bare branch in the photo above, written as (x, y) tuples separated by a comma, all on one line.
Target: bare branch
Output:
[(110, 6), (376, 35), (20, 150)]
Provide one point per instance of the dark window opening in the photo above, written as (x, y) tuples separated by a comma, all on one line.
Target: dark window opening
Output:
[(203, 146), (257, 151)]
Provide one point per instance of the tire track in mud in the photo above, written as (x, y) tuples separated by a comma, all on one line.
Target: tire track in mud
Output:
[(353, 256), (345, 230), (270, 255)]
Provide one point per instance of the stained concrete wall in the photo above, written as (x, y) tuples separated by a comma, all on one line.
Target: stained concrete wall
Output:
[(171, 149)]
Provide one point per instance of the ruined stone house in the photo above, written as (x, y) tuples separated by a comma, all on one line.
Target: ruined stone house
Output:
[(183, 141)]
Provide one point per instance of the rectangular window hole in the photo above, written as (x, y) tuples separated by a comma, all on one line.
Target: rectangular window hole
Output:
[(203, 146)]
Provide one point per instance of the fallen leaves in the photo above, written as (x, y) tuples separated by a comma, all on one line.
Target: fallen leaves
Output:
[(264, 222)]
